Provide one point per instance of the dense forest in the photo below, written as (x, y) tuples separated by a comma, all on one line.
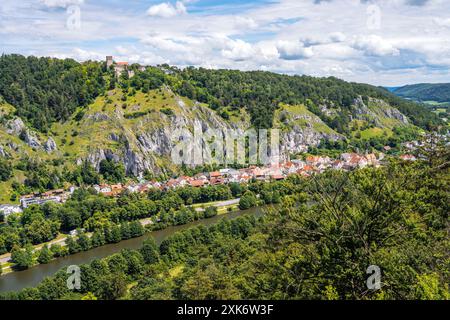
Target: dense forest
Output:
[(317, 245), (45, 90), (439, 92), (261, 92)]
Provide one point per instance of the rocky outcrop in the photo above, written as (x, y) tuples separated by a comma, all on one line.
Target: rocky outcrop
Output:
[(13, 146), (30, 139), (114, 137), (144, 143), (3, 153), (96, 156), (50, 145), (383, 110), (98, 117), (299, 139), (15, 126), (395, 114)]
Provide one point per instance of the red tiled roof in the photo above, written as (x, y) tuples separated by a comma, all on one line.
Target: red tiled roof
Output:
[(215, 174), (197, 183)]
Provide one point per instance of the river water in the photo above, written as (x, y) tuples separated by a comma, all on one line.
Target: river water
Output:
[(16, 281)]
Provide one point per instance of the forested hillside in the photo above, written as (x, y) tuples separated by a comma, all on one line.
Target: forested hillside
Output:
[(261, 92), (439, 92), (60, 119), (45, 90)]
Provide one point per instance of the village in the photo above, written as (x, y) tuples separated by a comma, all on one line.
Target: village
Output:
[(275, 172)]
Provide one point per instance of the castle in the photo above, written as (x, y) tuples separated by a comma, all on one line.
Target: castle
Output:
[(120, 67)]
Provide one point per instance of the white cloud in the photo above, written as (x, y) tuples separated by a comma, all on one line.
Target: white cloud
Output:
[(245, 23), (163, 43), (442, 22), (337, 37), (287, 36), (238, 50), (374, 45), (61, 3), (80, 55), (167, 10), (293, 50)]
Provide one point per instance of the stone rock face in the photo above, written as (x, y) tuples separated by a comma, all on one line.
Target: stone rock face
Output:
[(15, 126), (114, 137), (147, 142), (95, 157), (397, 115), (299, 139), (142, 148), (50, 145), (362, 111), (13, 146), (98, 117), (30, 139), (3, 153)]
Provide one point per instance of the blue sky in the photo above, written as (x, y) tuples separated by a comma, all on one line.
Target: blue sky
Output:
[(382, 42)]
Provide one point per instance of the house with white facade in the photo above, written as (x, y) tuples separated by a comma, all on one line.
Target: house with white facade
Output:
[(9, 209)]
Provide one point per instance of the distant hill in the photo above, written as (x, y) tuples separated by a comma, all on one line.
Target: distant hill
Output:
[(392, 89), (437, 92)]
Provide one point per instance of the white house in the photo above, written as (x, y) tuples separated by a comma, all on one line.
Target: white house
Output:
[(8, 209)]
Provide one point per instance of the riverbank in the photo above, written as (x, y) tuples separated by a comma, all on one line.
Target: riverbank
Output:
[(223, 207), (15, 281)]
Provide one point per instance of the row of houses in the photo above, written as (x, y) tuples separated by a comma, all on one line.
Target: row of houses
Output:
[(274, 172), (309, 166)]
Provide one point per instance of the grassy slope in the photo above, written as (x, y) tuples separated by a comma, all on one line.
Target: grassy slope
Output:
[(386, 124), (299, 115)]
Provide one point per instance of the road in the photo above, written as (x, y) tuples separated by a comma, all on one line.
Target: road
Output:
[(220, 204)]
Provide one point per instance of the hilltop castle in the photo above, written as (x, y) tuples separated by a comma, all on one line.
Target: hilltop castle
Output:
[(120, 67)]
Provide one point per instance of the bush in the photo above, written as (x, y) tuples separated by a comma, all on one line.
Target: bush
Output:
[(210, 212)]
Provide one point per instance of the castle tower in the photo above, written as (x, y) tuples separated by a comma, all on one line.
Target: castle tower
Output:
[(109, 61)]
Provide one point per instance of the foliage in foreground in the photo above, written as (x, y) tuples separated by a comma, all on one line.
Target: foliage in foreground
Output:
[(317, 245)]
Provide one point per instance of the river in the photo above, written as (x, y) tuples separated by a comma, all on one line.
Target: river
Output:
[(16, 281)]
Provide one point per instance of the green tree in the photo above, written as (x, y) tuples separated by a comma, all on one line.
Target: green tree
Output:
[(111, 171), (150, 251), (248, 200), (5, 170), (72, 245), (98, 238), (23, 258), (84, 242), (112, 286), (236, 189), (45, 255)]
